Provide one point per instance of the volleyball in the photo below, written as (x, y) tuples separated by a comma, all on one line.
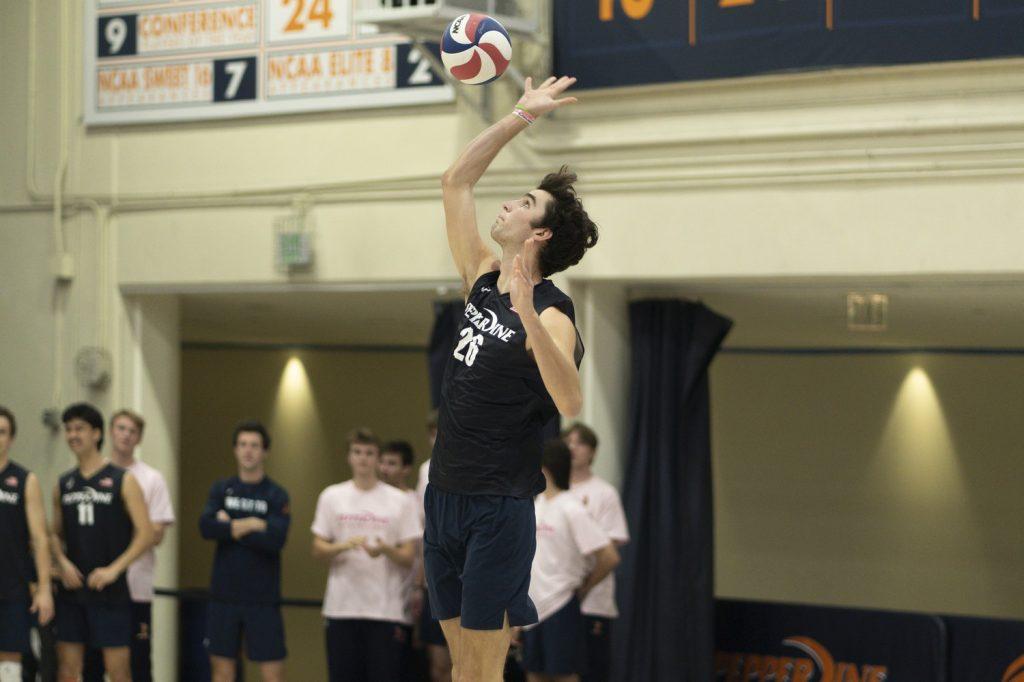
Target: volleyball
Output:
[(475, 49)]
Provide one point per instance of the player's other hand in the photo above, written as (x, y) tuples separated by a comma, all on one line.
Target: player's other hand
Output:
[(70, 576), (101, 577), (42, 606), (521, 286), (546, 96), (517, 635)]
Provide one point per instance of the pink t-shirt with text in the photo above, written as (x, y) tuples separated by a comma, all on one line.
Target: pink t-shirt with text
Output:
[(358, 585)]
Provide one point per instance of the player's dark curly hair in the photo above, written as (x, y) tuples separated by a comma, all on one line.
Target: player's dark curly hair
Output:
[(572, 230)]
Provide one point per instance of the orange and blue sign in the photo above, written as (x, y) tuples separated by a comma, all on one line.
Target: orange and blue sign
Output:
[(609, 43)]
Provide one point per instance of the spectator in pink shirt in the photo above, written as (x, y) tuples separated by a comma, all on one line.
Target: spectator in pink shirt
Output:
[(367, 531)]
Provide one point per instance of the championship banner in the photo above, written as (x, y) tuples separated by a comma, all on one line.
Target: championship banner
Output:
[(607, 43), (985, 649), (764, 642), (150, 61)]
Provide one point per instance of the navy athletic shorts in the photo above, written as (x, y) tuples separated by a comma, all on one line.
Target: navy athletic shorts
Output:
[(477, 552), (262, 625), (103, 626), (558, 646), (15, 624)]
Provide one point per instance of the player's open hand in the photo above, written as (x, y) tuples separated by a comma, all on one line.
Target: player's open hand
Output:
[(101, 577), (546, 96), (521, 286)]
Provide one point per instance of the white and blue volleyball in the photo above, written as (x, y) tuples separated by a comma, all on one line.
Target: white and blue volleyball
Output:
[(475, 49)]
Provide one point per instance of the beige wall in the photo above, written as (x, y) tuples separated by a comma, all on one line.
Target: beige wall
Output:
[(308, 409), (888, 481)]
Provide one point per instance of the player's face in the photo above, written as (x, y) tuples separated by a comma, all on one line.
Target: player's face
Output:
[(514, 222), (5, 436), (363, 458), (81, 437), (249, 451), (391, 469), (125, 435), (582, 454)]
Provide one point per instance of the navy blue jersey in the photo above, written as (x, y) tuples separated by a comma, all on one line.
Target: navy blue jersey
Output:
[(249, 569), (493, 401), (97, 528), (16, 566)]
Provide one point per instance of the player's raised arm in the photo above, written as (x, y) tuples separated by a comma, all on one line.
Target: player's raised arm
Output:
[(472, 256)]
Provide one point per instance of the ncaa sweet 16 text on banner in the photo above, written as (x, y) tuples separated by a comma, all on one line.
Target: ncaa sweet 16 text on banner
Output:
[(168, 60)]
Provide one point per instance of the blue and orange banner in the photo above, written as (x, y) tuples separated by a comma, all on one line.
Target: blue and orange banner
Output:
[(766, 642), (608, 43)]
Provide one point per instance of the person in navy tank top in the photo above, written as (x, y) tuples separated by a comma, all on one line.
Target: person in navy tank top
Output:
[(100, 526), (514, 369), (25, 559)]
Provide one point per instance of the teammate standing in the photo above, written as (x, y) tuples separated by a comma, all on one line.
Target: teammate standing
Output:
[(367, 531), (25, 558), (100, 527), (573, 556), (602, 502), (248, 516), (514, 368)]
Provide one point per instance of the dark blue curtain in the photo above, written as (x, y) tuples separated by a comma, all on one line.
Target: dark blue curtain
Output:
[(665, 583), (447, 315)]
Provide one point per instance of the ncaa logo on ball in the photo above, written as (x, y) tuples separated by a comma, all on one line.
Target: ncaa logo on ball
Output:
[(475, 49)]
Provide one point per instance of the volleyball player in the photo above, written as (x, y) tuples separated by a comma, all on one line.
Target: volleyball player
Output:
[(248, 517), (25, 559), (602, 502), (367, 531), (514, 368), (100, 526), (126, 429)]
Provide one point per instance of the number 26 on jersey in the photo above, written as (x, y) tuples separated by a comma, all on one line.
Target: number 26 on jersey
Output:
[(468, 346)]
